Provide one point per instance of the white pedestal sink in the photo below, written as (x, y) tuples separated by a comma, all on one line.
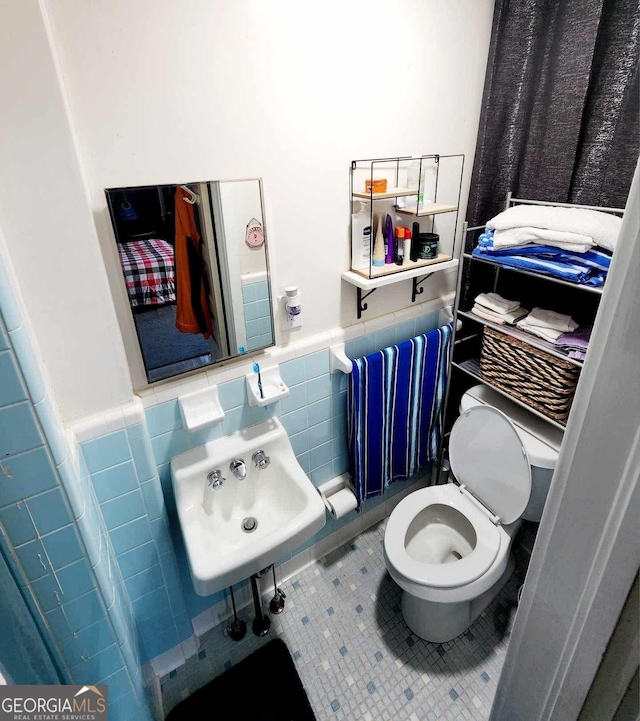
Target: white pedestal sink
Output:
[(280, 498)]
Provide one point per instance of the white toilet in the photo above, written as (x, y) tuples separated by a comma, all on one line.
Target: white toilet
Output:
[(448, 547)]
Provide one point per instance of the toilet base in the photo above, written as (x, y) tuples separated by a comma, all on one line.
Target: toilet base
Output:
[(440, 622)]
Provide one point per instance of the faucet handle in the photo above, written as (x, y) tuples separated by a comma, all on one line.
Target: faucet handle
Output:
[(261, 459), (215, 480)]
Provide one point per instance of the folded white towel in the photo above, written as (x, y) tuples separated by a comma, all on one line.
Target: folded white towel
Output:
[(541, 318), (545, 333), (496, 302), (514, 237), (488, 315), (511, 317), (603, 228)]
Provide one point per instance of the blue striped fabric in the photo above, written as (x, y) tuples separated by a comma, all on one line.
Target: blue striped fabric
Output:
[(588, 268), (395, 411)]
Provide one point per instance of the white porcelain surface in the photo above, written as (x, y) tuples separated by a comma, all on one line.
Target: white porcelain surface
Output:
[(273, 387), (488, 457), (419, 548), (200, 409), (286, 505), (541, 440)]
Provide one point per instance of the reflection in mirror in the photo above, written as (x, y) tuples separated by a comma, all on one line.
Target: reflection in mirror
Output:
[(195, 266)]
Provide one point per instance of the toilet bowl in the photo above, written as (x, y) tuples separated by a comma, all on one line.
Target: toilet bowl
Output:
[(448, 547)]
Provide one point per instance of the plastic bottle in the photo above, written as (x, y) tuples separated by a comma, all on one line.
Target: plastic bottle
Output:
[(407, 246), (416, 180), (361, 237), (389, 246), (399, 249), (293, 307), (415, 233), (378, 247)]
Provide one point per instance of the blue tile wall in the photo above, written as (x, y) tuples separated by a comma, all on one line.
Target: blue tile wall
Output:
[(53, 536), (133, 508), (257, 315)]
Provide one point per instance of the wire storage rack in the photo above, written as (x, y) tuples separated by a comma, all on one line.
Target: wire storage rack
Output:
[(423, 189)]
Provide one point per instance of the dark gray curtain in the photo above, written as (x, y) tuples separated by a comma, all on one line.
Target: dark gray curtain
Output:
[(561, 105)]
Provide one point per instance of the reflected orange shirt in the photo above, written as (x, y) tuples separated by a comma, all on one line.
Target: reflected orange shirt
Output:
[(192, 308)]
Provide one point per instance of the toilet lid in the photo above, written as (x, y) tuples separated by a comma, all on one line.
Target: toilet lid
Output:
[(487, 456)]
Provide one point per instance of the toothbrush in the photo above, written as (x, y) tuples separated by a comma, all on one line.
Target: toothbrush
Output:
[(256, 369)]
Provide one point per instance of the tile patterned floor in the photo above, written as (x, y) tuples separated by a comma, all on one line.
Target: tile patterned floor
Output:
[(356, 657)]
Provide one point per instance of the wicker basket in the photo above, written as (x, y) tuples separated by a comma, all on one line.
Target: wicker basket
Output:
[(534, 377)]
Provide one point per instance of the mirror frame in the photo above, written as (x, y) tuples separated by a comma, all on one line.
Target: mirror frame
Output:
[(124, 313)]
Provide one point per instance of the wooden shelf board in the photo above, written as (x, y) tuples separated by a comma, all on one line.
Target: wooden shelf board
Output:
[(472, 368), (391, 193), (520, 335), (386, 275), (431, 209)]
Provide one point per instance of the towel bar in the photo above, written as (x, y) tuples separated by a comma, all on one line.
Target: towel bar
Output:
[(338, 360)]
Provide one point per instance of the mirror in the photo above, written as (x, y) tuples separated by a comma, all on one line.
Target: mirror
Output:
[(195, 266)]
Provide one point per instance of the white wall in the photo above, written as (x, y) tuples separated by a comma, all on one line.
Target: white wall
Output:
[(164, 92), (47, 225)]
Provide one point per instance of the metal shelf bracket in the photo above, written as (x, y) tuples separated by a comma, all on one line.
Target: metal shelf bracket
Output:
[(416, 287), (361, 305)]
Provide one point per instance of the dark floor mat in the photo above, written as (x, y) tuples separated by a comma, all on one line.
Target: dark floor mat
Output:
[(265, 686)]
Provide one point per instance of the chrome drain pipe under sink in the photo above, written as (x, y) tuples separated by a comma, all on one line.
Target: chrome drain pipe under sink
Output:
[(262, 622)]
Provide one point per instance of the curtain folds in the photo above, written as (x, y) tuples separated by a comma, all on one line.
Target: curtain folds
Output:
[(561, 105)]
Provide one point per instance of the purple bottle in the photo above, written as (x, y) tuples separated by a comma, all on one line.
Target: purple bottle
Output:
[(389, 244)]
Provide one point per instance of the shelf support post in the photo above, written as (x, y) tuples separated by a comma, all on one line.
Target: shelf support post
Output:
[(416, 287), (361, 305)]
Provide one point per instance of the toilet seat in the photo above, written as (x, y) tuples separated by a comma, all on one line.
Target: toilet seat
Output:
[(488, 457), (491, 464), (444, 575)]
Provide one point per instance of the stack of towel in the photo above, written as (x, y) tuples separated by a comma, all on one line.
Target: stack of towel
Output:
[(576, 343), (568, 243), (573, 229), (547, 324), (497, 309)]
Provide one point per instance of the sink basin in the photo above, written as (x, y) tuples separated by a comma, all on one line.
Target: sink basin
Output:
[(286, 507)]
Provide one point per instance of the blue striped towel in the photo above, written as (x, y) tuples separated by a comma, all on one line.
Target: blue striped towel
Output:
[(395, 411), (588, 268)]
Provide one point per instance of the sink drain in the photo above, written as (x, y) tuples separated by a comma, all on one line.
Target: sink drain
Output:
[(249, 524)]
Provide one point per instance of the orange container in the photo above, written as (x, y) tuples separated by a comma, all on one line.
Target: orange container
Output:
[(379, 185)]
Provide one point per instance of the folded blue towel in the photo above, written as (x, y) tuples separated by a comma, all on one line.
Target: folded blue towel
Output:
[(588, 268), (395, 411), (596, 258)]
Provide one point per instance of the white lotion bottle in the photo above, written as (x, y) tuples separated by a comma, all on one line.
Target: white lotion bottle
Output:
[(378, 248), (361, 238)]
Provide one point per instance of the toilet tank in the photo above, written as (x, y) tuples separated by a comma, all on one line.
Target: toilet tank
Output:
[(541, 441)]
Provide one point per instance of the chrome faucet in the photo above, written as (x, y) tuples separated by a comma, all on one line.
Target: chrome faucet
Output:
[(238, 468), (215, 480), (261, 459)]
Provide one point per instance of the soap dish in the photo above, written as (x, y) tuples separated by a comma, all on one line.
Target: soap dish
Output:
[(200, 409), (273, 387)]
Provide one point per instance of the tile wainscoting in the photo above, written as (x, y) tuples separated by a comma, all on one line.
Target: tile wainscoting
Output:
[(53, 536)]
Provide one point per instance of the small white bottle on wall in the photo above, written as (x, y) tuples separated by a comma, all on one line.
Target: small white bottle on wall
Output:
[(292, 307)]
